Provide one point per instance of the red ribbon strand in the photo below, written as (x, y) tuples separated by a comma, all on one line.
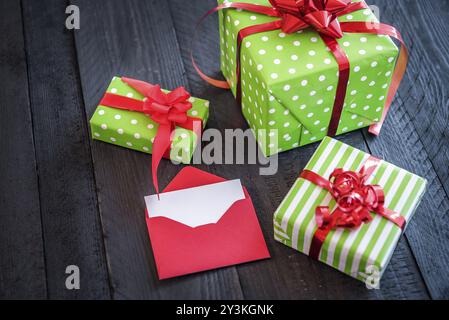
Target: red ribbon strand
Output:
[(167, 109), (355, 200), (322, 16)]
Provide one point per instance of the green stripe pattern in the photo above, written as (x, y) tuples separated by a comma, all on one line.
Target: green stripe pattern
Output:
[(350, 251)]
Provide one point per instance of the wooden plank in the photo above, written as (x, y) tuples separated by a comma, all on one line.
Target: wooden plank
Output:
[(288, 275), (425, 92), (70, 219), (417, 128), (22, 264), (140, 44)]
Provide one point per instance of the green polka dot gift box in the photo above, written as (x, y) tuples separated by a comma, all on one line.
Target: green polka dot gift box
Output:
[(348, 209), (136, 130), (289, 81)]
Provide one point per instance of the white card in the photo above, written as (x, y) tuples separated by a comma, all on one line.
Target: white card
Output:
[(196, 206)]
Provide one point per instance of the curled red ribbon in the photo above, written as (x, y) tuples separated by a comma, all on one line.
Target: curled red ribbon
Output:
[(321, 15), (355, 200), (167, 109)]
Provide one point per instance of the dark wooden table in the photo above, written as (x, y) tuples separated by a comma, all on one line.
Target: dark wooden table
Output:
[(65, 199)]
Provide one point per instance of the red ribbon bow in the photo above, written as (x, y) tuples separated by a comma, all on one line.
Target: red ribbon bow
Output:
[(319, 14), (355, 200), (164, 108), (322, 15), (167, 109)]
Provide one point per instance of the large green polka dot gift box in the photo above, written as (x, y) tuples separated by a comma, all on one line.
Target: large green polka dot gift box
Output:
[(137, 130), (296, 85), (348, 209)]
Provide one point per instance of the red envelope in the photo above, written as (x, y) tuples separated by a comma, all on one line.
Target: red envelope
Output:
[(235, 238)]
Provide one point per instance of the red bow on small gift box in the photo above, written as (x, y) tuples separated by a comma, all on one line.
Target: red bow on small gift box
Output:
[(321, 15), (167, 109), (355, 200)]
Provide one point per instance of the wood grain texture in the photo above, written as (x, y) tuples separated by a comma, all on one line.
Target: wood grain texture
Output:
[(425, 92), (70, 220), (416, 135), (22, 264), (289, 274), (135, 39)]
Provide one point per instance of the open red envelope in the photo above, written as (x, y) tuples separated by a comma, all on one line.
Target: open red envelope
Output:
[(180, 249)]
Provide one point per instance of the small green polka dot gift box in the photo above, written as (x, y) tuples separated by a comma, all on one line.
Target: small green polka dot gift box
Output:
[(348, 210), (137, 130), (308, 69)]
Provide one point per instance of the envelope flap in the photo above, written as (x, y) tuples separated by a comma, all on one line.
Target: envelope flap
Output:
[(190, 177), (196, 206)]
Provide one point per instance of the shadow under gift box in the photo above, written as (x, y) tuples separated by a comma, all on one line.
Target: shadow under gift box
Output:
[(289, 81), (135, 130), (356, 252)]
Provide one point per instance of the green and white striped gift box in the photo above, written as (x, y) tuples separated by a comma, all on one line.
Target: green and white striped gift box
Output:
[(356, 252)]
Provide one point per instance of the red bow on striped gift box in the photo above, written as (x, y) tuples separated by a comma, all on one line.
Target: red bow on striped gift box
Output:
[(355, 200)]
